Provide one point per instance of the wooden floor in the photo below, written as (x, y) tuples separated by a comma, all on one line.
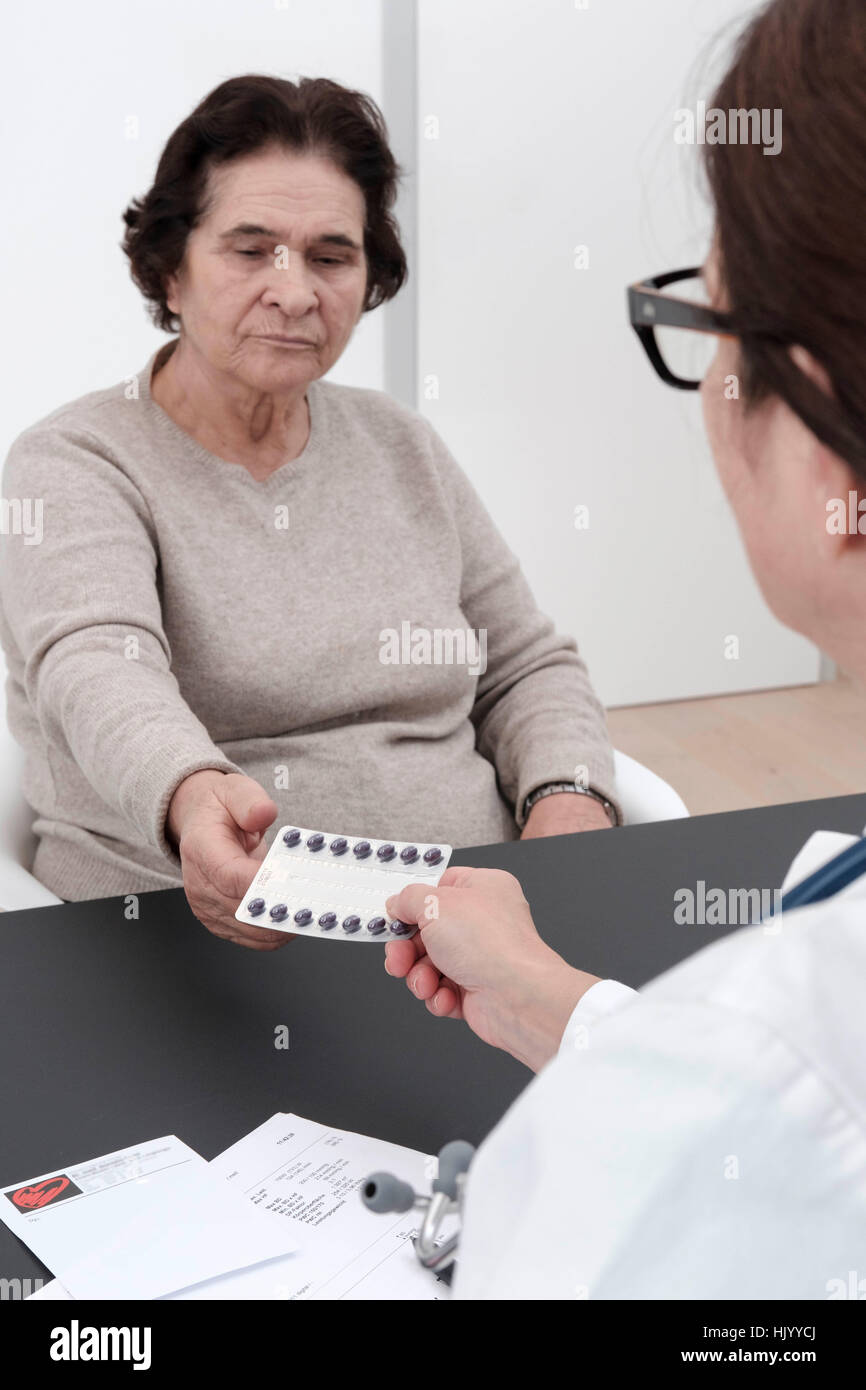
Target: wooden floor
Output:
[(732, 751)]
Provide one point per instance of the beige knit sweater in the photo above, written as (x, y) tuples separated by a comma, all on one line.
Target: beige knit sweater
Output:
[(353, 633)]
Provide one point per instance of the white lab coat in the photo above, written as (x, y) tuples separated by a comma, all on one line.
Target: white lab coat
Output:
[(705, 1138)]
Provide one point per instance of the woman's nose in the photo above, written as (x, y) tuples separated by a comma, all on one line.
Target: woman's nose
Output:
[(291, 286)]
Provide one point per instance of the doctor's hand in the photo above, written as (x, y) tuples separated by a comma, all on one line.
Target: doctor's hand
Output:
[(217, 821), (478, 956)]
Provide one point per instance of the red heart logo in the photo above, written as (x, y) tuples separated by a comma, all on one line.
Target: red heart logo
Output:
[(40, 1194)]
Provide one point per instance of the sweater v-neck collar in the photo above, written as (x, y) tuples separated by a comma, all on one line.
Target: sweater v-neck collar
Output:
[(276, 479)]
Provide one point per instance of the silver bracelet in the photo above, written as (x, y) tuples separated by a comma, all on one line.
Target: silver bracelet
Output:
[(550, 788)]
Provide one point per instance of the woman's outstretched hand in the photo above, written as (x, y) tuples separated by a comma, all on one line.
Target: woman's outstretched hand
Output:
[(217, 820)]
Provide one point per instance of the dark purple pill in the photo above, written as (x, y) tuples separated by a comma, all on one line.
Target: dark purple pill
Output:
[(376, 925), (409, 854), (255, 906), (385, 852), (279, 911), (361, 849), (328, 920), (315, 841), (303, 916), (400, 928), (291, 837), (351, 923), (339, 846), (432, 856)]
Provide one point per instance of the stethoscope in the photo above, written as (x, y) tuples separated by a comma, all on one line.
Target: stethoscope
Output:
[(830, 879), (383, 1192)]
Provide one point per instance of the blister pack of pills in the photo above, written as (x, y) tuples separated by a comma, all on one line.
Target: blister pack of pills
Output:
[(319, 883)]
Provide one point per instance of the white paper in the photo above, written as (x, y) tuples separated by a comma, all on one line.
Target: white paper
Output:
[(308, 1176), (52, 1292), (311, 1175), (62, 1214), (139, 1223)]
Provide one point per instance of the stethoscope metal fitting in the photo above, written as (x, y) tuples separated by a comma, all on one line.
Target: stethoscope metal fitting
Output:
[(383, 1192)]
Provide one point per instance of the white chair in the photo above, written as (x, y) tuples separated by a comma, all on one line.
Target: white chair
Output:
[(18, 887), (643, 795)]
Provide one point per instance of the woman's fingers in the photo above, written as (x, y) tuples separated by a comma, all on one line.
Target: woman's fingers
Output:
[(258, 938), (442, 996), (458, 876), (220, 920), (408, 960), (423, 979), (445, 1002), (400, 956)]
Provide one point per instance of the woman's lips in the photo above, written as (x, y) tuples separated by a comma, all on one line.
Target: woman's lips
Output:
[(286, 342)]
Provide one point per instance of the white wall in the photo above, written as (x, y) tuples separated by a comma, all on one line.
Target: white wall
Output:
[(72, 76), (555, 129)]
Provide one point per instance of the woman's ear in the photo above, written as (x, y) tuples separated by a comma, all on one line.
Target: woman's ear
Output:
[(834, 479), (170, 288), (835, 485)]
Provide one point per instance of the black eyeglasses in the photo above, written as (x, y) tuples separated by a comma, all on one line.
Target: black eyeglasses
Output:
[(677, 332)]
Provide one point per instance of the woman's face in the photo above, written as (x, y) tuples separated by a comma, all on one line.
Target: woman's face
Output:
[(280, 251), (777, 478)]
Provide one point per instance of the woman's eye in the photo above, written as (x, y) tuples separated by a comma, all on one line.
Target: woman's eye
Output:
[(322, 260)]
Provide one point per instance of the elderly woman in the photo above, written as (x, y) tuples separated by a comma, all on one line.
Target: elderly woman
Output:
[(260, 594)]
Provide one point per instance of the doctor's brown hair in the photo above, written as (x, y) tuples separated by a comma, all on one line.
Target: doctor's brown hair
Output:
[(791, 227)]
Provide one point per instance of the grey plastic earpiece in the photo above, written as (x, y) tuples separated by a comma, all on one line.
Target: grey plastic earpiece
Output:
[(454, 1159), (383, 1192)]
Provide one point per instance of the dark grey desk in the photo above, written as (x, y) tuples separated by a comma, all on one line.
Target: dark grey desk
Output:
[(114, 1032)]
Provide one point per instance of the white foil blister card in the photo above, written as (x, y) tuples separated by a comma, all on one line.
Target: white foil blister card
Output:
[(320, 883)]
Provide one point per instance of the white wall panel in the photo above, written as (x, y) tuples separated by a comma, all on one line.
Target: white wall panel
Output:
[(544, 126)]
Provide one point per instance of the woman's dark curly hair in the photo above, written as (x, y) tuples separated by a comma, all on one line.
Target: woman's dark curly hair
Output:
[(239, 117)]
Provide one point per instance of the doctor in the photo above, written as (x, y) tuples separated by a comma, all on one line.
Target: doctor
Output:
[(706, 1137)]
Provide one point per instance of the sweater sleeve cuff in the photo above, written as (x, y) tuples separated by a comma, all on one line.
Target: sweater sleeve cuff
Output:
[(158, 784), (604, 997)]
